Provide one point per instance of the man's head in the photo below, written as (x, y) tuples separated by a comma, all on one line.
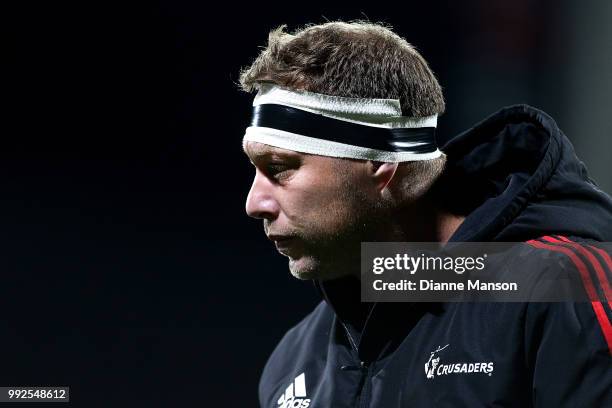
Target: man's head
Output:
[(359, 59), (318, 209)]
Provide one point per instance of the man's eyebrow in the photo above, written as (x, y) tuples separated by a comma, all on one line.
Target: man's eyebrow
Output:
[(255, 153), (267, 152)]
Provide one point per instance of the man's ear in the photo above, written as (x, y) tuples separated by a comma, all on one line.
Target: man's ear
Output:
[(382, 173)]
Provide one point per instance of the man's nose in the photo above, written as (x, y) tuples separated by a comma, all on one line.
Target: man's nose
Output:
[(260, 202)]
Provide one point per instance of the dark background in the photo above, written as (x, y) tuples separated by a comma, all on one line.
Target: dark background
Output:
[(129, 269)]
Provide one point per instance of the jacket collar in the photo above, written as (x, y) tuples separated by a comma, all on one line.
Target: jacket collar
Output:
[(376, 328)]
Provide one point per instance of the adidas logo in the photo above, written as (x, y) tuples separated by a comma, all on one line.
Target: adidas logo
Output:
[(294, 396)]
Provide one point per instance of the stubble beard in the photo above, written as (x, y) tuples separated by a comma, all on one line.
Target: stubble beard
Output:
[(334, 255)]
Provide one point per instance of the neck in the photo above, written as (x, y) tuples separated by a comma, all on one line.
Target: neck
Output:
[(421, 221), (425, 221)]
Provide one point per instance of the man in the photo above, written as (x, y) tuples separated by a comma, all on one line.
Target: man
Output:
[(342, 140)]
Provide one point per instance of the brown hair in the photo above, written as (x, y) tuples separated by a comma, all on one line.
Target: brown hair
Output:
[(356, 59)]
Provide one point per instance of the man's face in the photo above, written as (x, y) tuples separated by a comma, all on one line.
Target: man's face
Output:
[(316, 209)]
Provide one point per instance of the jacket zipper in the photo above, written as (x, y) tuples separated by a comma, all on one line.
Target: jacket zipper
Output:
[(364, 367), (365, 387)]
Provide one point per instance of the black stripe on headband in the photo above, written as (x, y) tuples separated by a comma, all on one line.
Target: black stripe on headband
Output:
[(321, 127)]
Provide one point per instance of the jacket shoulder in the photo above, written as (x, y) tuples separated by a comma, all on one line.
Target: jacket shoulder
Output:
[(585, 323), (585, 260)]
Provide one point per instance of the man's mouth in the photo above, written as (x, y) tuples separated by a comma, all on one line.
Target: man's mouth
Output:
[(280, 239), (283, 243)]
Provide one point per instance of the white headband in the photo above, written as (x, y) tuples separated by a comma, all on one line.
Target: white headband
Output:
[(359, 128)]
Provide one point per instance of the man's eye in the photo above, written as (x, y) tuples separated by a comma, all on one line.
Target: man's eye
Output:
[(279, 171), (275, 168)]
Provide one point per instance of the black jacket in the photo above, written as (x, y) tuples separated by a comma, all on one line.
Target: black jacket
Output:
[(518, 178)]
